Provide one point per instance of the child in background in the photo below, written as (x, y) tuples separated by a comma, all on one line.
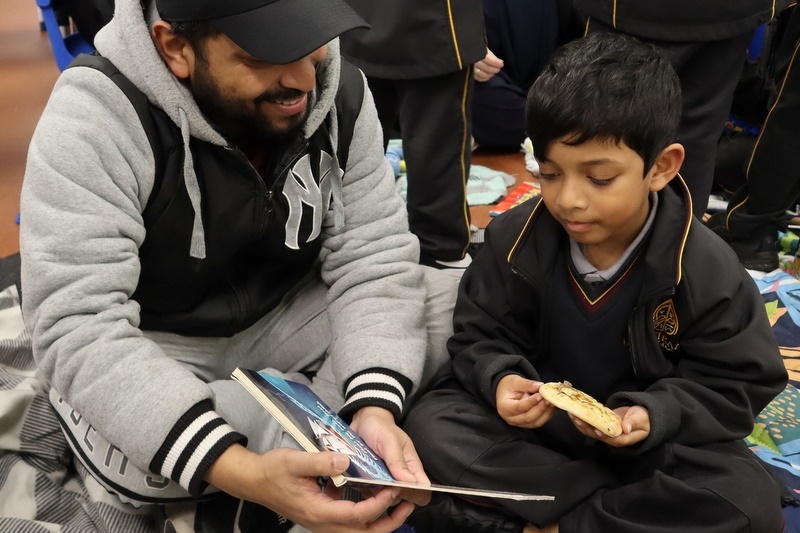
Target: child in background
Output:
[(610, 283)]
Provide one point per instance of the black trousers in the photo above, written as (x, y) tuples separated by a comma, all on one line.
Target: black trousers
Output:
[(709, 73), (773, 171), (434, 118), (498, 113), (719, 488)]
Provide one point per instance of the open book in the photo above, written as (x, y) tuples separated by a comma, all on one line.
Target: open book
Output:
[(318, 428)]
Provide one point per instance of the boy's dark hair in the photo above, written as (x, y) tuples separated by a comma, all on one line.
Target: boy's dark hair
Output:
[(606, 86), (195, 33)]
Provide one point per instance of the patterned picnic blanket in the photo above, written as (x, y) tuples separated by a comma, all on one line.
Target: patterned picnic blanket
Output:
[(40, 491), (776, 438)]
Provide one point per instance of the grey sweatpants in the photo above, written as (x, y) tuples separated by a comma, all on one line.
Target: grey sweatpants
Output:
[(292, 340)]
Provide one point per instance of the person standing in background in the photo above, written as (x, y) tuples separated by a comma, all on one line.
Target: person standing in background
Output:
[(757, 210), (521, 36), (706, 42), (418, 57)]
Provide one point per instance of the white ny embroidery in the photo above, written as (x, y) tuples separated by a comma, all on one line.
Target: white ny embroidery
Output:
[(301, 188)]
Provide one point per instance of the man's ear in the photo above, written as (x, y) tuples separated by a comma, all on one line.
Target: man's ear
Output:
[(666, 167), (176, 51)]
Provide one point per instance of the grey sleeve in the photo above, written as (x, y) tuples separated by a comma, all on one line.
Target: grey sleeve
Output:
[(89, 173)]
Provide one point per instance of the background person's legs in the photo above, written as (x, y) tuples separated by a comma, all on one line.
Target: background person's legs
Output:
[(757, 210), (709, 73), (435, 125), (498, 113), (384, 93)]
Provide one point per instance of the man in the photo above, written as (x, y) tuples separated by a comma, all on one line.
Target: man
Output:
[(212, 193)]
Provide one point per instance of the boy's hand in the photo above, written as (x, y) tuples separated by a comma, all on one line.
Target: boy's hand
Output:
[(520, 404), (635, 427)]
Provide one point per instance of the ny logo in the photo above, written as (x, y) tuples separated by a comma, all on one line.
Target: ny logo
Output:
[(301, 189)]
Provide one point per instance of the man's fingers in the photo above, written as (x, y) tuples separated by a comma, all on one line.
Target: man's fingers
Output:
[(304, 464), (366, 511), (394, 520)]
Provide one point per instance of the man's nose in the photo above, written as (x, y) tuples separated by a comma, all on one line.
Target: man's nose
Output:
[(300, 75)]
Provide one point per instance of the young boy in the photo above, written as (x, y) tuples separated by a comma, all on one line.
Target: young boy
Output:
[(610, 283)]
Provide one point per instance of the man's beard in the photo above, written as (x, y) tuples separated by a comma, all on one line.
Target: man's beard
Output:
[(239, 123)]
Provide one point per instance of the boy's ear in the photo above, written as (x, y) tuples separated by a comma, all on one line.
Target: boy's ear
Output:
[(666, 167), (176, 51)]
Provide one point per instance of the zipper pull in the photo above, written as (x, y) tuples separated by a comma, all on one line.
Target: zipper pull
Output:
[(268, 196)]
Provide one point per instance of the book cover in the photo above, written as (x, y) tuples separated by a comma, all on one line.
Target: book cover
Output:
[(316, 427), (522, 192)]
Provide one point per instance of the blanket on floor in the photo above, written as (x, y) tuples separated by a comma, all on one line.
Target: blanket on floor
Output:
[(776, 437)]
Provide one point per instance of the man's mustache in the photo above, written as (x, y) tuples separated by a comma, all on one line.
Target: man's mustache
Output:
[(282, 95)]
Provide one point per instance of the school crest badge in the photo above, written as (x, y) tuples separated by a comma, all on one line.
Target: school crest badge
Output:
[(665, 324)]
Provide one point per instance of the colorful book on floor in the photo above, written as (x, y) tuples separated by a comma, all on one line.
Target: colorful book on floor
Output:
[(522, 192), (317, 428)]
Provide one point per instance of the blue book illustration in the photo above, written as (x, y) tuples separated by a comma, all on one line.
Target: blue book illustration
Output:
[(317, 427)]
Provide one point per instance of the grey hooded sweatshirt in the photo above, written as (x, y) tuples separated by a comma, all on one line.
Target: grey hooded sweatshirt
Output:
[(90, 173)]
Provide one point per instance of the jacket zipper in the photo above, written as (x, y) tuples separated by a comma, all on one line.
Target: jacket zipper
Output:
[(524, 277), (268, 193)]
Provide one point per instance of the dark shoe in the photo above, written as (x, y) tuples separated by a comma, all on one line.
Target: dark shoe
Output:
[(224, 514), (448, 513), (756, 250)]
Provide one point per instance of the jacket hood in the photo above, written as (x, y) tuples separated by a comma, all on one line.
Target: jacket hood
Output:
[(127, 42)]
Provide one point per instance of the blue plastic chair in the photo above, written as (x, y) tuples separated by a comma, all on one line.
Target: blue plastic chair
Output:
[(65, 49)]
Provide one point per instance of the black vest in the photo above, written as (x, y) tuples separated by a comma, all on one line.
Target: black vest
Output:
[(261, 235), (588, 344)]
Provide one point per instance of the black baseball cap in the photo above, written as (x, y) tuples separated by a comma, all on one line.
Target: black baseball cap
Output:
[(276, 32)]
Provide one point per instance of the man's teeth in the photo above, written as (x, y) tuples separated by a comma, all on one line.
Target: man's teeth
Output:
[(288, 102)]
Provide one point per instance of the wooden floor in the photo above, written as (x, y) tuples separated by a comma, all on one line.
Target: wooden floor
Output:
[(27, 74)]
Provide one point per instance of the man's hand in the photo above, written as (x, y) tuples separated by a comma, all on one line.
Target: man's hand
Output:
[(635, 427), (520, 404), (285, 481), (378, 429), (487, 67)]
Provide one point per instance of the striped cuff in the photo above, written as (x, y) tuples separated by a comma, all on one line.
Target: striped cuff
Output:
[(192, 446), (378, 387)]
